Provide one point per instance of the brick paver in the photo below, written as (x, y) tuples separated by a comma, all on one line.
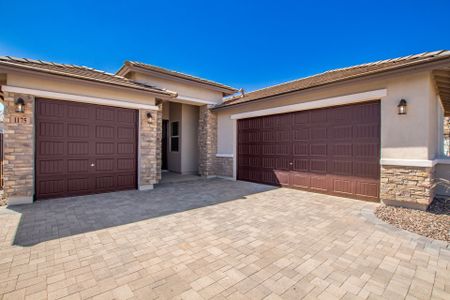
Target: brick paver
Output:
[(214, 239)]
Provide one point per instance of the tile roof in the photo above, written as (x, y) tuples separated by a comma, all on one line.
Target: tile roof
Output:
[(335, 76), (79, 72), (179, 75)]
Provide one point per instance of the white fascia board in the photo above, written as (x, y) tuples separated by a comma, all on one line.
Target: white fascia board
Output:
[(326, 102), (192, 100), (77, 98)]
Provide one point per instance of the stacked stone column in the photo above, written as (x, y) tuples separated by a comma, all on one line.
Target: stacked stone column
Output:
[(207, 141), (18, 145), (150, 149)]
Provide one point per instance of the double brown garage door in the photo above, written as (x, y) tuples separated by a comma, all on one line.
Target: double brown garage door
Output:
[(84, 148), (331, 150)]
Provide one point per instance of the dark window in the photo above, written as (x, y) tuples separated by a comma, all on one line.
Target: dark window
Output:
[(174, 138), (174, 129)]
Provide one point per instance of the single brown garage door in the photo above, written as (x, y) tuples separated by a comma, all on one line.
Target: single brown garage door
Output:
[(84, 148), (332, 150)]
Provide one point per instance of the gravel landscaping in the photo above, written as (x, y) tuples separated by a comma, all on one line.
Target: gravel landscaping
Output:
[(433, 223)]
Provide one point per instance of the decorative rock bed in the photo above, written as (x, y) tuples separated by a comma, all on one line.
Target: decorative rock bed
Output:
[(433, 223)]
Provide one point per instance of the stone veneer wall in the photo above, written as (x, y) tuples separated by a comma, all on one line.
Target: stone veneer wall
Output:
[(207, 141), (150, 149), (18, 157), (407, 186), (224, 166)]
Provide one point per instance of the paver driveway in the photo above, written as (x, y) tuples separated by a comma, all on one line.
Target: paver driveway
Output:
[(213, 239)]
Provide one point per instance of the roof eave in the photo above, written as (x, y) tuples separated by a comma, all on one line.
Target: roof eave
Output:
[(130, 67), (15, 67), (437, 61)]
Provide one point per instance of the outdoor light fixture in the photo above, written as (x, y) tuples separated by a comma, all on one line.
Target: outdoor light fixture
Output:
[(402, 107), (149, 118), (20, 105)]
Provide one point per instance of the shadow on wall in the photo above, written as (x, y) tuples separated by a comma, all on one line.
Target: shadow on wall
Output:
[(52, 219)]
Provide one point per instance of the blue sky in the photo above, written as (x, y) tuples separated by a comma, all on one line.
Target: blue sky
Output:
[(240, 43)]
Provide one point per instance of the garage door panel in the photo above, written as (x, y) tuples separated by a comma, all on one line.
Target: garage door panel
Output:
[(341, 150), (341, 132), (318, 165), (105, 182), (300, 149), (105, 114), (366, 131), (51, 129), (126, 181), (341, 167), (301, 165), (318, 133), (331, 150), (105, 148), (76, 185), (369, 189), (77, 112), (77, 166), (78, 149), (51, 148), (301, 180), (126, 148), (319, 182), (342, 185), (51, 109), (125, 133), (366, 150), (51, 187), (318, 149), (301, 134), (104, 132), (365, 169), (300, 118), (78, 130)]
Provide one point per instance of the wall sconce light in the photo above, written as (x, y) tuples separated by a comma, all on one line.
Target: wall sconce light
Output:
[(149, 118), (20, 105), (402, 107)]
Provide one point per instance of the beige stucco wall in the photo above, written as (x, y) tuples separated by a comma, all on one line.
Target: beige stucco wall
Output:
[(402, 137), (189, 144), (183, 89), (77, 87)]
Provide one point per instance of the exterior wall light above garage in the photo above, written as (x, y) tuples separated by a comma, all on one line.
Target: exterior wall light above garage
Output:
[(402, 107)]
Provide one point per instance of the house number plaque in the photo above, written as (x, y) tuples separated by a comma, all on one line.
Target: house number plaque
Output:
[(20, 120)]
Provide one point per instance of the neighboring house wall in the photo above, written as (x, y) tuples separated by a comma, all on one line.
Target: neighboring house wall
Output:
[(411, 137)]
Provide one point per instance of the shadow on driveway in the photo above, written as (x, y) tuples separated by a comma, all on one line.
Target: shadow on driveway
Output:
[(52, 219)]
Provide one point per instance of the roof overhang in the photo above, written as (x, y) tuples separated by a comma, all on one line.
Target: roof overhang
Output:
[(35, 71), (442, 81), (127, 68), (417, 67)]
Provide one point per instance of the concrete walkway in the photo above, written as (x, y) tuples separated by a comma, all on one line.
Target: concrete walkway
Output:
[(214, 239)]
